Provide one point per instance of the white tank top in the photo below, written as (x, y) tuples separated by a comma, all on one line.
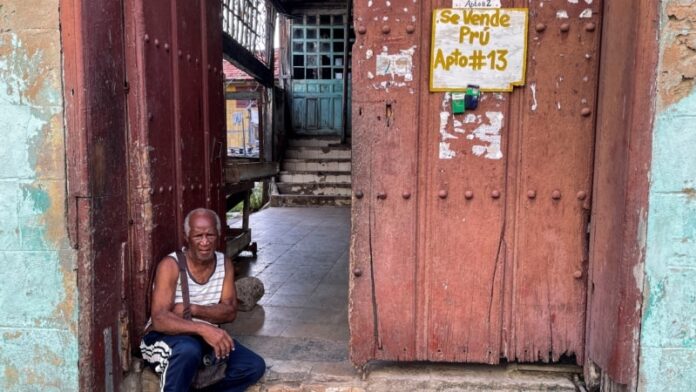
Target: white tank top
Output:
[(207, 293)]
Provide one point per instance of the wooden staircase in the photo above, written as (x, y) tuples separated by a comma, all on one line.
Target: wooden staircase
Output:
[(316, 171)]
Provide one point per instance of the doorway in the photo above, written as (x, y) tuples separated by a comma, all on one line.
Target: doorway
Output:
[(302, 260), (371, 221), (320, 62)]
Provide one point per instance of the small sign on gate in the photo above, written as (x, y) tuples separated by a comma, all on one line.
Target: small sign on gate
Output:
[(482, 46)]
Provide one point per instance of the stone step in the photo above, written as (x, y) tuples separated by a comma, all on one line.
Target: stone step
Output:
[(316, 165), (281, 200), (313, 189), (317, 141), (341, 152), (315, 177)]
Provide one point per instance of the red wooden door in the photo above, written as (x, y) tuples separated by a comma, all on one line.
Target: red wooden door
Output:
[(176, 118), (487, 258)]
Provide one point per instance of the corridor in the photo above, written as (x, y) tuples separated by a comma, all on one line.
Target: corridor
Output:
[(303, 263)]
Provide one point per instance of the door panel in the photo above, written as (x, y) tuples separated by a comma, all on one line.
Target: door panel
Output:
[(189, 109), (463, 231), (555, 162), (312, 114), (314, 106), (383, 296), (325, 113), (214, 106), (503, 190), (176, 128)]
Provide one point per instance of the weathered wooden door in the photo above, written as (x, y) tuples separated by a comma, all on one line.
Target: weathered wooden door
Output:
[(319, 64), (176, 128), (469, 239)]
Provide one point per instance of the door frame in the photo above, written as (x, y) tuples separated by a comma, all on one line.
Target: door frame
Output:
[(95, 128), (629, 58)]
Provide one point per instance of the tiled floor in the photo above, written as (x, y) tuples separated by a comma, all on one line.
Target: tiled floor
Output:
[(303, 263)]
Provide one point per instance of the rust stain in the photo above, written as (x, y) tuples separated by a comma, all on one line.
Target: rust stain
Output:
[(53, 218), (66, 309), (50, 156), (690, 193), (49, 356), (679, 56), (11, 375), (11, 335), (35, 378)]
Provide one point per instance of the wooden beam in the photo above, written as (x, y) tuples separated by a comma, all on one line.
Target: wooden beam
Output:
[(248, 95), (236, 172), (243, 59)]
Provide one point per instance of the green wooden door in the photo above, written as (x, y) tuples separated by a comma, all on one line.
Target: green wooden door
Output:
[(318, 57)]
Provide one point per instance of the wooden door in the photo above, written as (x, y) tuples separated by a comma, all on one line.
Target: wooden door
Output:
[(486, 259), (318, 59), (176, 128)]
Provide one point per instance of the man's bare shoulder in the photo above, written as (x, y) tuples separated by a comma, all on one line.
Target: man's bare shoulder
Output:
[(167, 267)]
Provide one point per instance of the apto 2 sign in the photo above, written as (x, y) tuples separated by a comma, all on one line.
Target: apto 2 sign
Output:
[(484, 47)]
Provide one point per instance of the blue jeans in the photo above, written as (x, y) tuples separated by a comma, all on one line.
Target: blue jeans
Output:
[(177, 358)]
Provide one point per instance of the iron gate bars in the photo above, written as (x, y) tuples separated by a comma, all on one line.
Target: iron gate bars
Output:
[(250, 23)]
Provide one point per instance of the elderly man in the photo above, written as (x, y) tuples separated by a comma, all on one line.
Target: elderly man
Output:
[(175, 346)]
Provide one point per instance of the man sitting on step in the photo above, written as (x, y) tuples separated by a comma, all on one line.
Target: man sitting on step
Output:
[(175, 346)]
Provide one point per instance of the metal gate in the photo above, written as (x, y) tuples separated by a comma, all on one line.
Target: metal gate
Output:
[(177, 129), (477, 253)]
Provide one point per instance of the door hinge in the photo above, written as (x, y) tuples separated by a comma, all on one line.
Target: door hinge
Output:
[(126, 87)]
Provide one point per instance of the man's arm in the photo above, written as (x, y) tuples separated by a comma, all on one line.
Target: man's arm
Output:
[(226, 310), (166, 321)]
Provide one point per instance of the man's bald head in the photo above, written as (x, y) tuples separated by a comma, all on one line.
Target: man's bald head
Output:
[(202, 211)]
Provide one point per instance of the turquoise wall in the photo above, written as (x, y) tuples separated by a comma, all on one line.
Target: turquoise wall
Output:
[(668, 333), (38, 295)]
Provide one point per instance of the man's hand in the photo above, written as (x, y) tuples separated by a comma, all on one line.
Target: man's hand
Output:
[(218, 339)]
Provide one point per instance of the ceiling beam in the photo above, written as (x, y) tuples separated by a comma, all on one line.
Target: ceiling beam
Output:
[(243, 59)]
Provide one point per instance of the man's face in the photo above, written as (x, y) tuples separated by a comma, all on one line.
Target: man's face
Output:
[(202, 239)]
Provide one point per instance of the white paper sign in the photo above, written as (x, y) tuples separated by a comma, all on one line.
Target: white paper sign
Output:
[(484, 47)]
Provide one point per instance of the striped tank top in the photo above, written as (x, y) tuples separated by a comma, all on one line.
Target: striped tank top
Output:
[(207, 293)]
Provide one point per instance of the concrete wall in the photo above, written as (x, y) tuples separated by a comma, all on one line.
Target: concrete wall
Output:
[(38, 295), (668, 334)]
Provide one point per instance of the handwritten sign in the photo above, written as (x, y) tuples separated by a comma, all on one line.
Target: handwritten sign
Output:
[(486, 47), (475, 3)]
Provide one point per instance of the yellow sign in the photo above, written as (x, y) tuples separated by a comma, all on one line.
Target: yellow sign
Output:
[(480, 46)]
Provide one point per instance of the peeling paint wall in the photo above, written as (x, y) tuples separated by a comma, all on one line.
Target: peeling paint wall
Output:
[(668, 335), (38, 295)]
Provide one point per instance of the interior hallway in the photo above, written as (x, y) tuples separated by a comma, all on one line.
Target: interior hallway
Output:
[(303, 263)]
